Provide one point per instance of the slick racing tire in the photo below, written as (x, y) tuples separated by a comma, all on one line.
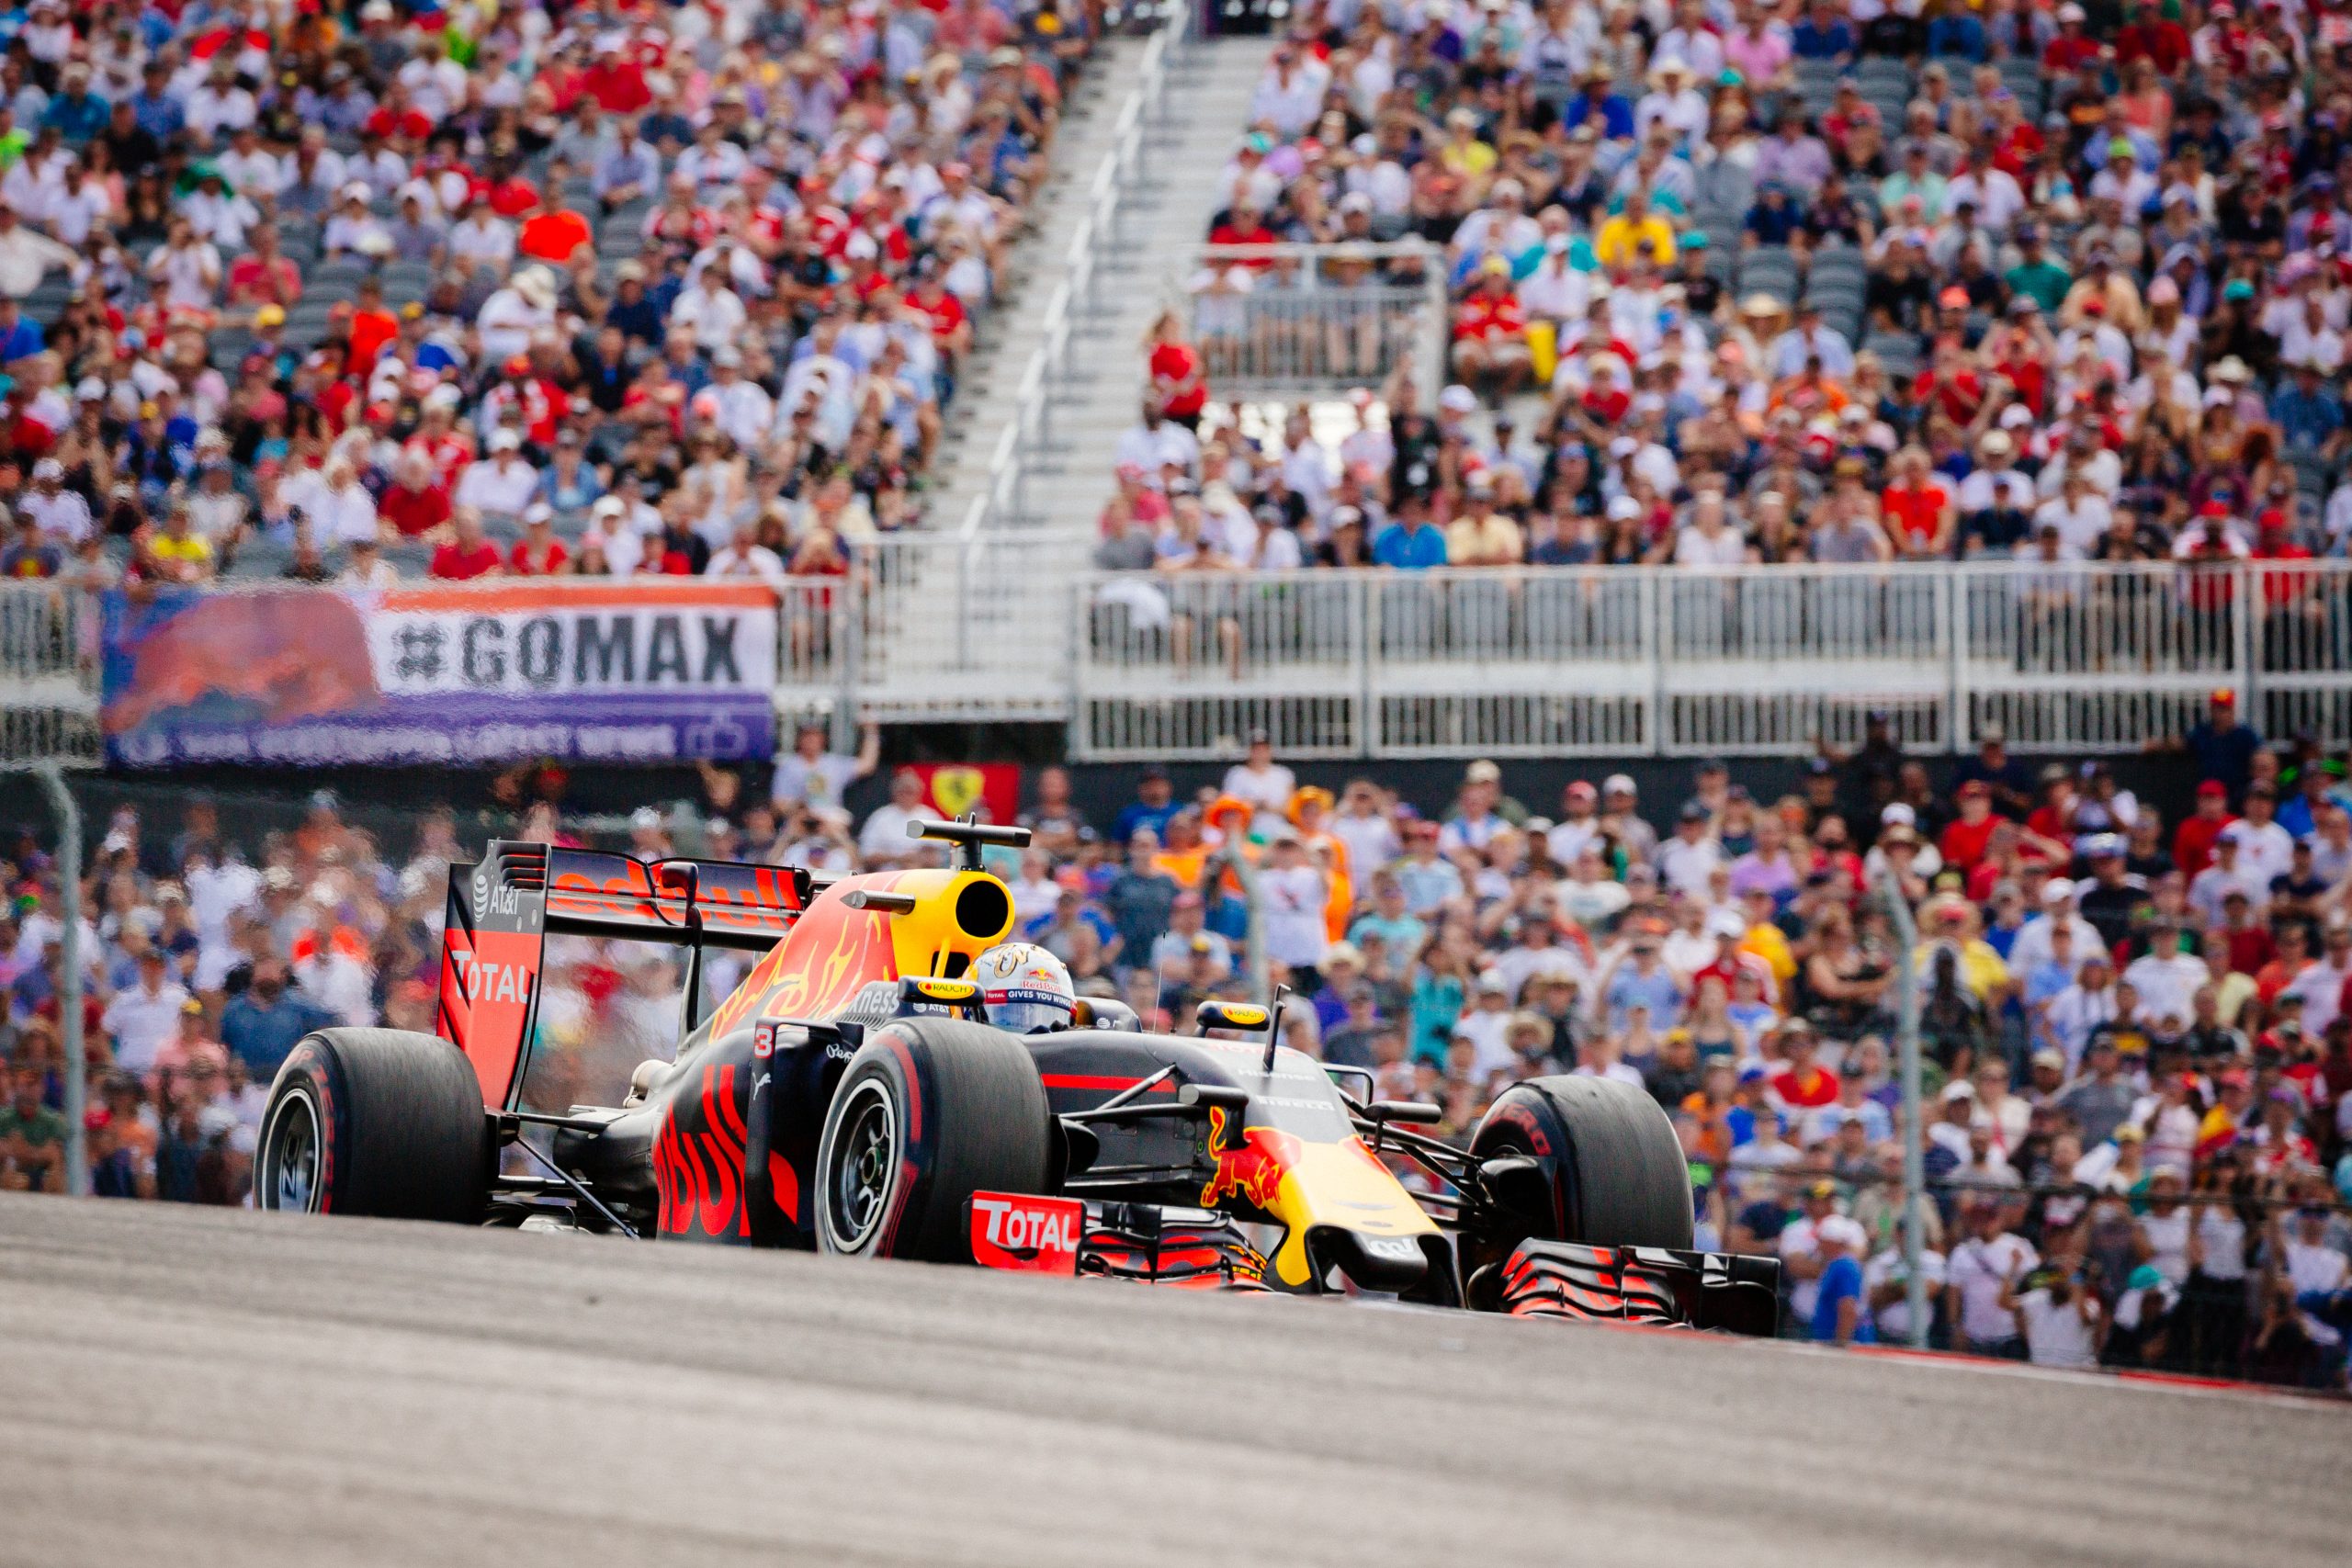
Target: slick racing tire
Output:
[(376, 1122), (929, 1112), (1615, 1171)]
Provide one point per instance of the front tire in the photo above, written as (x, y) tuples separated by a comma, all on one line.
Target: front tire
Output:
[(1614, 1170), (927, 1113), (376, 1122)]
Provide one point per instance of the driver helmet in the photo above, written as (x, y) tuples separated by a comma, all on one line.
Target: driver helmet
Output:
[(1025, 989)]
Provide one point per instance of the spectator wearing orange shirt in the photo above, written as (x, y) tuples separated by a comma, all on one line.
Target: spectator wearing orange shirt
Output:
[(554, 234), (372, 325), (1490, 331)]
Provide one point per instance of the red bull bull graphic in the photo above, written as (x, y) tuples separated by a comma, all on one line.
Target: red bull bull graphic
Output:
[(587, 670), (1252, 1172)]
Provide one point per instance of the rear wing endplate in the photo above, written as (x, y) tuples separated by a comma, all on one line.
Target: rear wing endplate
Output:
[(499, 912)]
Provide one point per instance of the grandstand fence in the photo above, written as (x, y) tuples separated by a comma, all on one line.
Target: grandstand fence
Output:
[(1540, 661), (48, 675), (1276, 322), (1677, 660)]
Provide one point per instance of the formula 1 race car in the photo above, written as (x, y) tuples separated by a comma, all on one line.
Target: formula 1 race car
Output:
[(849, 1097)]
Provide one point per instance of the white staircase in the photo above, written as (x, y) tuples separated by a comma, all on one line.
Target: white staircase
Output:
[(972, 617)]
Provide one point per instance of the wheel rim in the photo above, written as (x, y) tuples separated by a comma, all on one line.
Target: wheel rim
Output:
[(865, 1166), (293, 1156)]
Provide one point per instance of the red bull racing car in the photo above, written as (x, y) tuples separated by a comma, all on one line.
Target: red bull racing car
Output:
[(858, 1093)]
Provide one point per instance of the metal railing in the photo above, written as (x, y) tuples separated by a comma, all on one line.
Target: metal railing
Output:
[(1283, 321), (1531, 662), (1675, 660), (1028, 429), (912, 660), (49, 674)]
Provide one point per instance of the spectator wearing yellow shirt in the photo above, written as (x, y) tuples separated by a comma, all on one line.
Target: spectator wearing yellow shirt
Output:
[(1463, 155), (177, 553), (1482, 536), (1634, 231), (1950, 920), (1765, 941)]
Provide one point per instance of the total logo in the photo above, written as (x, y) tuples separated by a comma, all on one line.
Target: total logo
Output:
[(1026, 1234), (487, 980)]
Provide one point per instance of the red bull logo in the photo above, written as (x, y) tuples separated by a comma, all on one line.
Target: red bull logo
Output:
[(1252, 1173)]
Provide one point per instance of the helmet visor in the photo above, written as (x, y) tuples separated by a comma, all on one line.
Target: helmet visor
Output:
[(1025, 1011)]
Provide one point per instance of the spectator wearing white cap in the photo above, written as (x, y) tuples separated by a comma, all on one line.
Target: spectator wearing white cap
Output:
[(707, 308), (1621, 818), (2060, 1317), (1840, 1310), (334, 502), (503, 484), (60, 514), (482, 238), (744, 409), (744, 557), (2032, 948), (186, 268), (512, 316), (353, 229), (2210, 889), (609, 530)]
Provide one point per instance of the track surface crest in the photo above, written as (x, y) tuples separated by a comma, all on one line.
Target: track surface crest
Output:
[(208, 1387)]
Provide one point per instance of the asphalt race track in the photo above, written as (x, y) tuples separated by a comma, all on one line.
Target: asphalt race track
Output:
[(202, 1387)]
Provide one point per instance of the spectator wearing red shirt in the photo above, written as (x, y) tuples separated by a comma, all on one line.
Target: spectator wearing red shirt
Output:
[(2073, 48), (1176, 373), (951, 329), (1965, 838), (509, 195), (2153, 37), (614, 81), (262, 275), (1490, 330), (469, 555), (1803, 1084), (2192, 845), (1243, 226), (2287, 595), (413, 502), (538, 553), (1919, 510)]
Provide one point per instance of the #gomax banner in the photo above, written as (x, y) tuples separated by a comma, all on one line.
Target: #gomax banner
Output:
[(641, 670)]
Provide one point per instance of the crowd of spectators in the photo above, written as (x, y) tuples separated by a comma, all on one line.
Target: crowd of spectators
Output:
[(1746, 282), (356, 291), (2137, 1032)]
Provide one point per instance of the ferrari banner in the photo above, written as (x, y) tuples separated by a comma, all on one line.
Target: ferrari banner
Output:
[(992, 789), (643, 670)]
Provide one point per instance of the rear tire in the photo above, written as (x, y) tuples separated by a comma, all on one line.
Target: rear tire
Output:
[(1615, 1170), (927, 1113), (376, 1122)]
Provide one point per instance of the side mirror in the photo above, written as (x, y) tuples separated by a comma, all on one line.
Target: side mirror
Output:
[(1245, 1018), (1386, 1111)]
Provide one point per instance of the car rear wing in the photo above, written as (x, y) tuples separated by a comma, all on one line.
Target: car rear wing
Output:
[(499, 912)]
